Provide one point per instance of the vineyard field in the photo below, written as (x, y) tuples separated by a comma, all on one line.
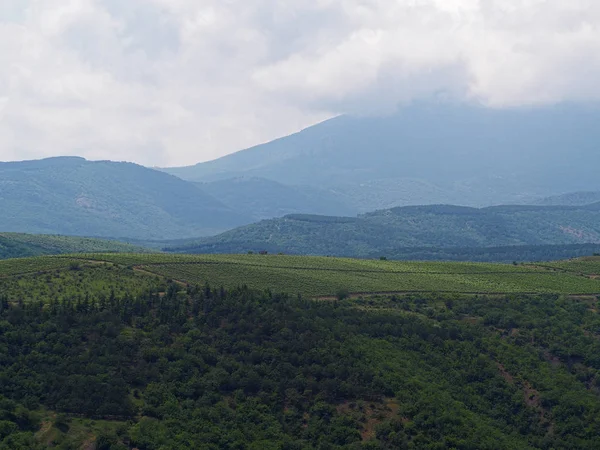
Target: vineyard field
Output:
[(20, 266), (323, 276), (78, 283), (587, 266), (309, 262), (325, 282)]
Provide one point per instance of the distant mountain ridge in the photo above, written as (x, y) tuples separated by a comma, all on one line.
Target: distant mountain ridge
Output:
[(390, 232), (430, 154), (260, 198), (571, 199), (73, 196)]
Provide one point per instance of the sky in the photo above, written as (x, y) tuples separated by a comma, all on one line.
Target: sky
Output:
[(176, 82)]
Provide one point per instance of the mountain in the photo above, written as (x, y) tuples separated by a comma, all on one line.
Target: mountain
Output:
[(260, 198), (73, 196), (390, 232), (19, 245), (571, 199), (430, 153)]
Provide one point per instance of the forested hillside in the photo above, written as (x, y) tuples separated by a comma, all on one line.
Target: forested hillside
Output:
[(19, 245), (73, 196), (108, 356), (393, 232), (571, 199)]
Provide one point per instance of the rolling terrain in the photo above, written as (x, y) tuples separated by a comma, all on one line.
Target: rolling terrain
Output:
[(155, 351), (429, 153), (73, 196), (19, 245), (323, 276), (393, 232)]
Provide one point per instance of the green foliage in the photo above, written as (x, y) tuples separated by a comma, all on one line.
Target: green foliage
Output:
[(78, 283), (322, 276), (73, 196), (342, 294), (526, 233), (96, 350), (586, 266), (200, 367), (19, 245), (17, 425), (20, 266)]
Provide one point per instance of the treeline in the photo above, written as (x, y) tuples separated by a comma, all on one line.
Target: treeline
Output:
[(503, 254), (517, 253), (21, 245), (199, 367)]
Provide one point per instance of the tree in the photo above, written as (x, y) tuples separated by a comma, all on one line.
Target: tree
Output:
[(342, 294)]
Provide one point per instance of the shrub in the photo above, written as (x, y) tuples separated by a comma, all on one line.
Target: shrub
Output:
[(342, 294)]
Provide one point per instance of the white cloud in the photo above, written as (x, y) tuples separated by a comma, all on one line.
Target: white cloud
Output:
[(180, 81)]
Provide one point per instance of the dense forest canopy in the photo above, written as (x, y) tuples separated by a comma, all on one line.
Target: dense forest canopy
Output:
[(435, 232)]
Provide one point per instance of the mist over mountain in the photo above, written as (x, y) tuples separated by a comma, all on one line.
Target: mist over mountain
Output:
[(571, 199), (77, 197), (423, 154), (430, 153), (260, 198)]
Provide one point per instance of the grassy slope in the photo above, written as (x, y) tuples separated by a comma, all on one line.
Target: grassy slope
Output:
[(321, 276), (17, 245)]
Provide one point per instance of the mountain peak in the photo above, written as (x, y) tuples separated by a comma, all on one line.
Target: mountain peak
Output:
[(430, 154)]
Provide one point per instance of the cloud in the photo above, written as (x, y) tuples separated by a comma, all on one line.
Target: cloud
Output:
[(165, 82)]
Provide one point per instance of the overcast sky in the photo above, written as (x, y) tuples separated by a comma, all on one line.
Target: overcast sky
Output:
[(174, 82)]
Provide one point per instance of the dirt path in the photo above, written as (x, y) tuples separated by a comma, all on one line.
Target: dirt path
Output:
[(138, 269)]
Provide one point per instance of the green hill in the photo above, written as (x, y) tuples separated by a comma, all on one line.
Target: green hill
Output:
[(322, 276), (73, 196), (116, 351), (393, 232), (19, 245)]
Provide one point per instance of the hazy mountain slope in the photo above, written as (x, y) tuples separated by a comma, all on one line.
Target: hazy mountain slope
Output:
[(571, 199), (78, 197), (264, 199), (431, 153), (19, 245), (387, 232)]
